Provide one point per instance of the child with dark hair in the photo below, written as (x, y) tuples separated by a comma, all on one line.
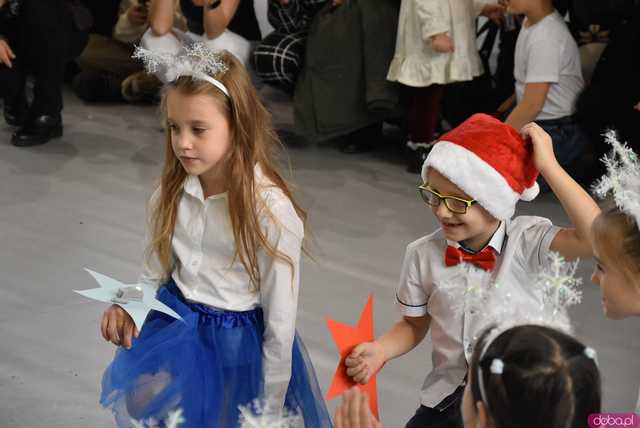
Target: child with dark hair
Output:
[(531, 364)]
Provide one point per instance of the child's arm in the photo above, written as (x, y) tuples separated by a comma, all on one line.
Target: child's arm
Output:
[(217, 20), (367, 358), (434, 17), (279, 287), (161, 16), (579, 206), (535, 95), (118, 327)]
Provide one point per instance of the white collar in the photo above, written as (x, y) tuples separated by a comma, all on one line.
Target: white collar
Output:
[(496, 242)]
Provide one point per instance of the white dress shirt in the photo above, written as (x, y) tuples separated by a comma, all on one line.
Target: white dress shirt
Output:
[(205, 270), (521, 244)]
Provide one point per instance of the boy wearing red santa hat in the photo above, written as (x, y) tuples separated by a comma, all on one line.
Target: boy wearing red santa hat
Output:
[(472, 180)]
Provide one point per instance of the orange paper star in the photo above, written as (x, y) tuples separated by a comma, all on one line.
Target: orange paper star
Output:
[(347, 338)]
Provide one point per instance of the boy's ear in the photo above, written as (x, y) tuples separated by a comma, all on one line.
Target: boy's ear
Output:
[(484, 419)]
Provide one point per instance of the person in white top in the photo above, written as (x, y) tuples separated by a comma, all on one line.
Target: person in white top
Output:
[(435, 45), (225, 242), (548, 76), (616, 239), (473, 178)]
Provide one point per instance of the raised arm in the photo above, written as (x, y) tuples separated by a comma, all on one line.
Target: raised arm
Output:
[(217, 19), (577, 203), (161, 13)]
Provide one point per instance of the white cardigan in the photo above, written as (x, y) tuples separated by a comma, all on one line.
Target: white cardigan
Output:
[(415, 63)]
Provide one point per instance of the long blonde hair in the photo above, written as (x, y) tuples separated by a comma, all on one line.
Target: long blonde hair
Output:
[(254, 142)]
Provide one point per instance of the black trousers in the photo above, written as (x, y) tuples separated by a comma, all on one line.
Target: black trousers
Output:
[(446, 414), (44, 39)]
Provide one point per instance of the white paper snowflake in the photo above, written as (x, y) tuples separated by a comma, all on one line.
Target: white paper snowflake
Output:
[(622, 178), (268, 414)]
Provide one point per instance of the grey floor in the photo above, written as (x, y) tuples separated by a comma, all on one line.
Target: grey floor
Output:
[(79, 202)]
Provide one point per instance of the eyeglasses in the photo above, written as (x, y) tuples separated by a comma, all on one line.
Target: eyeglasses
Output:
[(453, 203)]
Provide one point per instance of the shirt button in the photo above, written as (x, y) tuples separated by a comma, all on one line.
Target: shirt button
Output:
[(194, 263)]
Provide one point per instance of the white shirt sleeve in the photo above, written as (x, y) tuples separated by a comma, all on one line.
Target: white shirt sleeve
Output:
[(536, 243), (411, 297), (152, 272), (434, 16), (279, 297), (543, 61)]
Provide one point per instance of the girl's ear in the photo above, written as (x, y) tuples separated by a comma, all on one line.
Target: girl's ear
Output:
[(484, 419)]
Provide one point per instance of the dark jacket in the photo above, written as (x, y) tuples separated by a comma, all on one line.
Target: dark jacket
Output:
[(343, 85)]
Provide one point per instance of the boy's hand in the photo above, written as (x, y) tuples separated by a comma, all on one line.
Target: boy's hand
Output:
[(118, 327), (365, 361), (543, 156), (354, 411), (442, 43)]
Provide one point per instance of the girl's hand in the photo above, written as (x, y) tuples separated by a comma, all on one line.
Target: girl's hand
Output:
[(365, 361), (543, 156), (494, 12), (6, 54), (354, 411), (118, 327), (442, 43)]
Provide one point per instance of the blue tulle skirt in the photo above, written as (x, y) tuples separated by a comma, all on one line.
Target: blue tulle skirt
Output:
[(207, 366)]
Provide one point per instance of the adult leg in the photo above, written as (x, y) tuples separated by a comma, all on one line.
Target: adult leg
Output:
[(105, 63), (279, 58), (12, 91), (47, 41)]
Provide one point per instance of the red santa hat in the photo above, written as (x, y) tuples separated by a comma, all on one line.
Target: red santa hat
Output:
[(489, 161)]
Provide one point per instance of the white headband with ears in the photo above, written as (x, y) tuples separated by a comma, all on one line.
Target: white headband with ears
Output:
[(195, 60)]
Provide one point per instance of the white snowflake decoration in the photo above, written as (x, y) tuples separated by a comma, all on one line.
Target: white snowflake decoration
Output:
[(173, 420), (267, 414), (622, 178), (557, 286), (195, 60)]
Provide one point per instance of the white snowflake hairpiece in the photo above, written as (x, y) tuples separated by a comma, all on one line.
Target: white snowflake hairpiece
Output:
[(558, 287), (267, 414), (622, 178), (195, 60)]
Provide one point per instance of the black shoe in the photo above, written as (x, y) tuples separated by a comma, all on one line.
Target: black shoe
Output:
[(15, 114), (37, 131), (362, 140), (416, 155), (351, 146), (91, 86)]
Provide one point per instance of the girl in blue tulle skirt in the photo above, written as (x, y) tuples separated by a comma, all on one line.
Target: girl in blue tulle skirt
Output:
[(224, 251)]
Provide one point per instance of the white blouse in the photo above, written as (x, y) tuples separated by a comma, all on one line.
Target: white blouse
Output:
[(415, 63), (205, 272)]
